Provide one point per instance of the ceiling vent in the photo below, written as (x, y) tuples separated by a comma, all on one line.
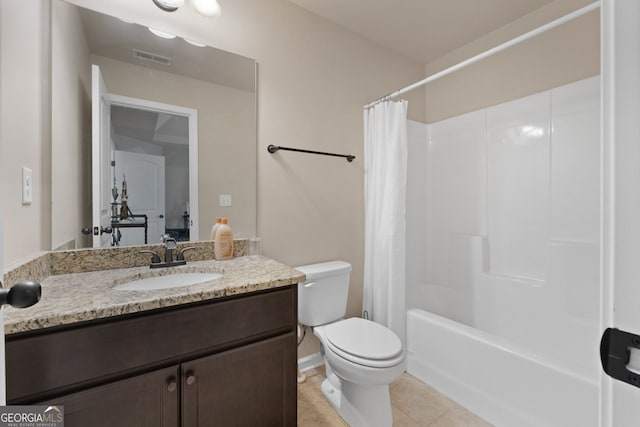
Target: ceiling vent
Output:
[(151, 57)]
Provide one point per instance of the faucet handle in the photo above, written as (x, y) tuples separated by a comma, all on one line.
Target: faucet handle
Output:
[(182, 251), (155, 259)]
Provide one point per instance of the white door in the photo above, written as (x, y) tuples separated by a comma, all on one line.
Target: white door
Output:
[(100, 173), (145, 176), (621, 210)]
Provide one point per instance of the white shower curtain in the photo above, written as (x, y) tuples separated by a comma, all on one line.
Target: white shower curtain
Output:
[(385, 157)]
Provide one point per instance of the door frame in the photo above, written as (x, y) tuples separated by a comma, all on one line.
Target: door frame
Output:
[(192, 116), (607, 46), (620, 196), (100, 142), (3, 388)]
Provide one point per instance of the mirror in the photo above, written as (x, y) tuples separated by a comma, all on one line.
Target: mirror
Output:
[(136, 64)]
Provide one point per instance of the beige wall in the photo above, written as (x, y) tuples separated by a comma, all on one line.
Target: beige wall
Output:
[(565, 54), (70, 128), (226, 136), (313, 79), (25, 126)]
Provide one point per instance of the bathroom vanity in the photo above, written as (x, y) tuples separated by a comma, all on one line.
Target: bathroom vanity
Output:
[(217, 353)]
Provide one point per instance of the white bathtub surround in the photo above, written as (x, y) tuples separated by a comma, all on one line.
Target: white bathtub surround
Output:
[(503, 240), (385, 153)]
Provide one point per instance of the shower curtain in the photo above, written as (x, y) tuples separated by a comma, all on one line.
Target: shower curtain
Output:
[(385, 156)]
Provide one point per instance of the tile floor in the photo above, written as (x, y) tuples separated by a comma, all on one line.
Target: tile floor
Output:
[(414, 404)]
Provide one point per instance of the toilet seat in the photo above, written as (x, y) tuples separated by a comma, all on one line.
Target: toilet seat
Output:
[(364, 342)]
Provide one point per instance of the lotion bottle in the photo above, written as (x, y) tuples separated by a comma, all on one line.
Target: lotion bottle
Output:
[(212, 236), (223, 246)]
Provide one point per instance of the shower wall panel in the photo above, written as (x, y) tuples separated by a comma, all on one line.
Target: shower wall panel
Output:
[(507, 241), (518, 185)]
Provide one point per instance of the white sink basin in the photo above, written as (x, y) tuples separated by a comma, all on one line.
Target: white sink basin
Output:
[(170, 281)]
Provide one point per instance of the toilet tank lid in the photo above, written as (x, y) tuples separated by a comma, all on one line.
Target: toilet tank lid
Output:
[(324, 269)]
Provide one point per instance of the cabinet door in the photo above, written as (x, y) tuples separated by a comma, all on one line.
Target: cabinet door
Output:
[(253, 385), (147, 400)]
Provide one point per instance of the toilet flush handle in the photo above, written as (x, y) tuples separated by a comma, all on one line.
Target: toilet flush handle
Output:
[(310, 284)]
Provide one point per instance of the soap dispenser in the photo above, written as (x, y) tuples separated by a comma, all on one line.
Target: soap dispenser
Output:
[(223, 246), (212, 235)]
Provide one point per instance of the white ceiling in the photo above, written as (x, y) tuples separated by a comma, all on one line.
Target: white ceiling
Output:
[(149, 126), (423, 30)]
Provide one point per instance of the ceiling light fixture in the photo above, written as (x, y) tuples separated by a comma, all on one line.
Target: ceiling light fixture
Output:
[(162, 34), (195, 43), (168, 5), (208, 8)]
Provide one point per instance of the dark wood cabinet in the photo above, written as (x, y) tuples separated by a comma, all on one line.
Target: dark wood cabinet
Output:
[(145, 400), (225, 362), (225, 389)]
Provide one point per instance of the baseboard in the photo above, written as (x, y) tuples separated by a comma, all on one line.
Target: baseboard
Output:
[(309, 362)]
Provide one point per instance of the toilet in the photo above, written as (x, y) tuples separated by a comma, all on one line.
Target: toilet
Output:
[(361, 357)]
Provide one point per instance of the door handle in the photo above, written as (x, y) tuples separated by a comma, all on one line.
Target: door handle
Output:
[(615, 353), (97, 231), (161, 216), (21, 295)]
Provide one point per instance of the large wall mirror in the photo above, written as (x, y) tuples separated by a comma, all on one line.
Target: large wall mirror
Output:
[(180, 129)]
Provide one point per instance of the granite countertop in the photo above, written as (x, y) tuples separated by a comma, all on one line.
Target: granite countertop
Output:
[(77, 297)]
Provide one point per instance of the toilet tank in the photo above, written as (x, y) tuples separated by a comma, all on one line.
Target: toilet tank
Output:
[(322, 298)]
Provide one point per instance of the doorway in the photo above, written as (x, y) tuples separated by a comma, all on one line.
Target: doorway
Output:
[(157, 143)]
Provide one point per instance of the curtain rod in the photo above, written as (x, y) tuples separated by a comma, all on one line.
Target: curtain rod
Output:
[(487, 53)]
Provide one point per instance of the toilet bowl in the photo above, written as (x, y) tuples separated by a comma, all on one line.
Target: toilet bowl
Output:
[(361, 357), (362, 351), (365, 357)]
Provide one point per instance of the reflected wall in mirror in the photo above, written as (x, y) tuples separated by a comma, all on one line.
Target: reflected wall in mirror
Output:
[(134, 63)]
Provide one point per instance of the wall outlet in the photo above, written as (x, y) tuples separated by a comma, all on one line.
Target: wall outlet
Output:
[(225, 200), (27, 186)]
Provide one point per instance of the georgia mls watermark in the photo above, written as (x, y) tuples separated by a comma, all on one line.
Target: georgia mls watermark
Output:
[(31, 416)]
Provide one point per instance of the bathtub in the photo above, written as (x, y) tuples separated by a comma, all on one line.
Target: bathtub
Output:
[(497, 379)]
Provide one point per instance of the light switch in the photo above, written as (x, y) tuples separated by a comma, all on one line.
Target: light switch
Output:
[(225, 200), (27, 186)]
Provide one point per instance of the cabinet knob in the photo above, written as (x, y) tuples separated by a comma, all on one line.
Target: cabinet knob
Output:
[(172, 385), (191, 379)]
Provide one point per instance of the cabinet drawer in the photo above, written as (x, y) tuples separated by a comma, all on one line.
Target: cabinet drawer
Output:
[(43, 365)]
